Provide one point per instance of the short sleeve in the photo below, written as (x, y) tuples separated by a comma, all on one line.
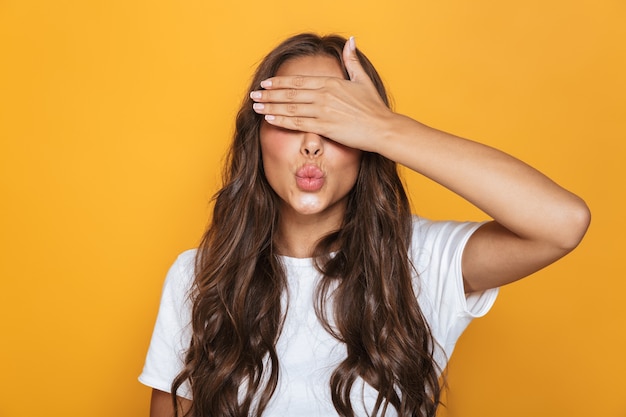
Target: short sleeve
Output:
[(171, 334), (437, 251)]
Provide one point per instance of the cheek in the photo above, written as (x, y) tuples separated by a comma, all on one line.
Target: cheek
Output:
[(270, 151), (271, 166), (275, 143), (267, 155), (349, 161), (275, 146)]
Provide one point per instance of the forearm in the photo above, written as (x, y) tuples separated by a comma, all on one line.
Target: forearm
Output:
[(514, 194)]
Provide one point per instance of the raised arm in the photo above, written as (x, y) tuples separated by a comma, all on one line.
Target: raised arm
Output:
[(535, 221)]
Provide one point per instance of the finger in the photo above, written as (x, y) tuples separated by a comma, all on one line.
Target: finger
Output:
[(285, 109), (352, 63), (303, 124), (286, 95), (293, 81)]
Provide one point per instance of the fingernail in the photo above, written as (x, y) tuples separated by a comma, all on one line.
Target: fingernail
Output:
[(255, 95), (258, 106), (269, 117), (266, 83), (352, 43)]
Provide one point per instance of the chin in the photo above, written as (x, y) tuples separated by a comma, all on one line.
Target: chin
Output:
[(308, 210), (308, 204)]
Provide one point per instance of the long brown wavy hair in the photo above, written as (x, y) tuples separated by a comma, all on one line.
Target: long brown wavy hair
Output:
[(231, 364)]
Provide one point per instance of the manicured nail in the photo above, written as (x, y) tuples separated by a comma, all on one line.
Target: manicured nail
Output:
[(269, 117), (258, 106), (266, 83), (255, 95), (352, 43)]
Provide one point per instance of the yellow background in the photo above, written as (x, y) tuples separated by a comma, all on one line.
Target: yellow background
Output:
[(114, 116)]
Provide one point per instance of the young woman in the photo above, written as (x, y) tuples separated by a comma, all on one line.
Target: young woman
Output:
[(315, 291)]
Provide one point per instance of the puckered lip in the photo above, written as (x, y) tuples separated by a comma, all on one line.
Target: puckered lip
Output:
[(310, 171), (310, 178)]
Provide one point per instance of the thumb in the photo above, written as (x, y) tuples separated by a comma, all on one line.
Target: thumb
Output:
[(352, 63)]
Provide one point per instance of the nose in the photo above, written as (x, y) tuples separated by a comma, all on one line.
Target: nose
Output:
[(312, 145)]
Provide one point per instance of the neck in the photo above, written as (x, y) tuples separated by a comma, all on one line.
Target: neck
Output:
[(298, 234)]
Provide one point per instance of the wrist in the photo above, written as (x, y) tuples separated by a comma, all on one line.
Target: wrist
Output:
[(396, 134), (385, 133)]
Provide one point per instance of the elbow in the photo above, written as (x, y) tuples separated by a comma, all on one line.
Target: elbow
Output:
[(576, 220)]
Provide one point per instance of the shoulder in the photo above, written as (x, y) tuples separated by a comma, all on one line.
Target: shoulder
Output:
[(437, 246), (183, 267), (172, 330), (440, 234), (437, 251), (186, 260), (179, 279)]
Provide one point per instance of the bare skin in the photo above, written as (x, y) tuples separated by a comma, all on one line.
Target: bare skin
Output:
[(161, 404), (312, 212), (535, 221)]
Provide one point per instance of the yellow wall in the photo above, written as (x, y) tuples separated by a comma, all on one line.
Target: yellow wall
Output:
[(113, 119)]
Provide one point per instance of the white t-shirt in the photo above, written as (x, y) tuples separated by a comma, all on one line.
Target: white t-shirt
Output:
[(307, 353)]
